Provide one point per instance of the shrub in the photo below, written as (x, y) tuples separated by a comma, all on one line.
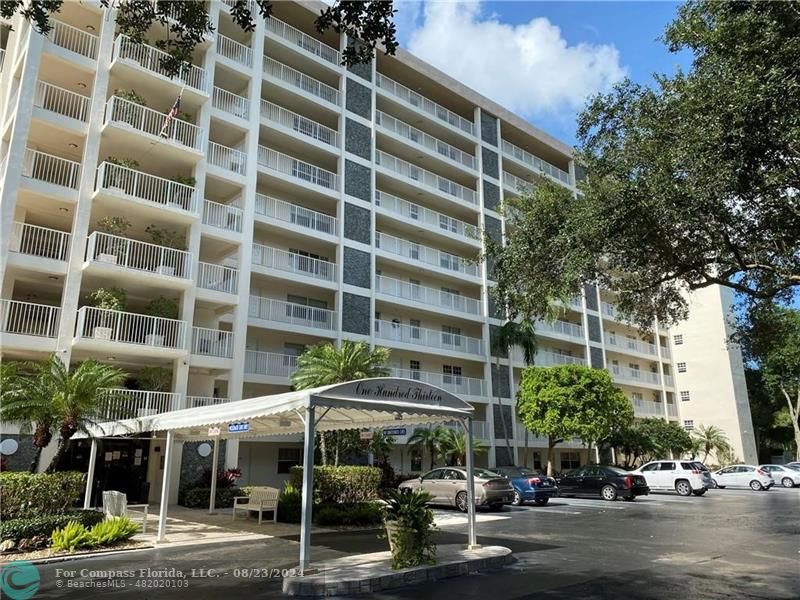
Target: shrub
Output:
[(71, 537), (112, 531), (410, 527), (225, 479), (199, 497), (343, 484), (27, 495), (26, 529), (368, 513)]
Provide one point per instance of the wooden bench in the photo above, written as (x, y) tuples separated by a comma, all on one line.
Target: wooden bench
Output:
[(261, 499)]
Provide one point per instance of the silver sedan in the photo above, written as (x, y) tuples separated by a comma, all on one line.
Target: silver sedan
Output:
[(782, 474), (448, 486)]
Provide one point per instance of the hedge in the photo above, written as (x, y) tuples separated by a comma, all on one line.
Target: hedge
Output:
[(343, 484), (366, 513), (199, 497), (29, 495), (20, 529)]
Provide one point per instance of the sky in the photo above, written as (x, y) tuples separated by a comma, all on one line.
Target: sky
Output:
[(541, 60)]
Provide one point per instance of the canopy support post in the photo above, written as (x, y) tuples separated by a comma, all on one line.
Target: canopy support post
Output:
[(214, 466), (308, 491), (472, 542), (162, 514), (87, 497)]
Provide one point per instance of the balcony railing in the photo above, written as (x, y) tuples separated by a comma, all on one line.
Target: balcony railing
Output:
[(303, 40), (421, 102), (234, 50), (130, 328), (634, 375), (143, 186), (668, 381), (27, 318), (561, 328), (288, 165), (517, 184), (227, 158), (425, 216), (609, 310), (421, 138), (291, 262), (672, 409), (546, 358), (300, 124), (298, 216), (119, 404), (425, 254), (426, 295), (151, 122), (425, 178), (269, 363), (218, 278), (626, 344), (222, 216), (73, 39), (536, 163), (647, 408), (51, 169), (138, 256), (292, 313), (39, 241), (231, 103), (480, 429), (300, 80), (212, 342), (198, 401), (150, 59), (60, 101), (465, 386), (429, 338)]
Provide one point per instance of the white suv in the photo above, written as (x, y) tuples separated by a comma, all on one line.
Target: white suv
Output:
[(681, 476)]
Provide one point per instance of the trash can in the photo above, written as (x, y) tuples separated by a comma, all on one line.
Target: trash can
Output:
[(115, 504)]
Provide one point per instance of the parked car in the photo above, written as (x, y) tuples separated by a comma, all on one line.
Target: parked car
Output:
[(743, 476), (529, 484), (448, 486), (679, 475), (781, 473), (706, 472), (794, 465), (604, 481)]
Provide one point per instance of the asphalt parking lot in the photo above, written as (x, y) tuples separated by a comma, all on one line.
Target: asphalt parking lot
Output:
[(727, 544)]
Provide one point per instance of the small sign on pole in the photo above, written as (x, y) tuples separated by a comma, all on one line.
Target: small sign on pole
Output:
[(213, 431), (366, 435)]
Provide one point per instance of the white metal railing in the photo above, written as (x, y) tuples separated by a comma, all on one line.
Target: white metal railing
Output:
[(73, 39), (517, 184), (150, 59), (608, 310), (218, 278), (51, 169), (647, 408), (300, 80), (467, 386), (198, 401), (637, 375), (300, 124), (430, 338), (63, 102), (536, 163), (39, 241), (227, 158), (138, 256), (303, 40), (665, 353), (672, 410), (251, 6), (119, 404), (426, 295), (269, 363), (425, 178), (561, 328), (294, 214), (546, 358), (421, 138), (143, 186), (630, 344), (291, 262), (223, 216), (480, 429), (130, 328), (292, 313), (212, 342), (425, 254), (424, 104), (425, 216), (668, 381), (234, 50), (288, 165), (146, 120), (231, 103), (28, 318)]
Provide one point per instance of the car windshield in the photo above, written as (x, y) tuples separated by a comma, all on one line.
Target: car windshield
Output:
[(485, 473)]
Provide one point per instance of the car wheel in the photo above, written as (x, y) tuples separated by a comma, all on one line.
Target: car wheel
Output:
[(756, 485), (609, 492), (683, 488), (541, 501), (461, 501), (787, 482), (714, 484), (699, 492), (517, 501)]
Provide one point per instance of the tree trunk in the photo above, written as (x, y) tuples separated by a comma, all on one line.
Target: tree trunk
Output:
[(550, 445), (432, 451), (62, 448), (525, 457), (794, 415), (323, 448), (37, 456)]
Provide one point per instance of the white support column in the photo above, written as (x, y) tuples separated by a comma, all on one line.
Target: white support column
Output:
[(214, 468), (165, 485), (87, 497), (308, 491), (472, 540), (657, 336)]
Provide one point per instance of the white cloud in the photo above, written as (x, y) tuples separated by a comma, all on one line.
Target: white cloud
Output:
[(528, 68)]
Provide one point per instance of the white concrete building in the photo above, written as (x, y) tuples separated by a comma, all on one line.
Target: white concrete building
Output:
[(294, 201)]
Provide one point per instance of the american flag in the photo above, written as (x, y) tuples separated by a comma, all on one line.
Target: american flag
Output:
[(173, 112)]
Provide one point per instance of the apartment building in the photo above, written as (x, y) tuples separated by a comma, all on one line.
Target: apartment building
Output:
[(292, 201)]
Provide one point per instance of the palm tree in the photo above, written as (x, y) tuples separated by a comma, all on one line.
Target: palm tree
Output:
[(455, 446), (710, 439), (325, 364), (432, 439)]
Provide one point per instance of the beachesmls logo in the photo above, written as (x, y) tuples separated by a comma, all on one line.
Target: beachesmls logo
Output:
[(20, 580)]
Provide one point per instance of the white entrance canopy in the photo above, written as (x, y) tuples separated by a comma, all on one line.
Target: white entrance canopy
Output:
[(366, 403)]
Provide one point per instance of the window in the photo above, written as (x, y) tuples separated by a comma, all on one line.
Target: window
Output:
[(667, 466), (681, 367), (288, 458), (435, 474), (416, 463), (302, 308), (414, 251), (637, 396), (451, 374), (685, 396), (570, 460), (677, 339), (651, 467), (413, 211), (448, 296), (416, 289), (309, 262), (451, 336), (415, 328), (290, 354), (413, 365), (688, 425)]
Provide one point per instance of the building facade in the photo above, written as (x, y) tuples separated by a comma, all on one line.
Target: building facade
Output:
[(292, 201)]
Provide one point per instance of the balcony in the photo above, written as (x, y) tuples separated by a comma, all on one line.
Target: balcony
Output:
[(290, 262), (63, 102), (609, 311), (235, 51), (198, 401), (295, 37), (561, 328), (545, 358), (73, 39), (300, 81), (480, 429), (118, 327), (41, 242), (647, 408), (516, 184), (231, 103), (299, 216), (28, 318), (463, 386), (429, 296), (226, 158), (212, 342), (288, 165), (271, 364), (298, 123), (420, 138), (535, 163), (420, 102), (672, 409), (425, 179), (51, 169), (634, 376), (430, 219), (222, 216), (150, 123), (118, 404), (425, 254), (628, 345), (150, 190), (126, 254), (217, 278), (150, 59), (291, 313), (427, 338)]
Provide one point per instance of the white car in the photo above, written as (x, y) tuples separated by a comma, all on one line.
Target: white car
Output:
[(679, 475), (787, 477), (743, 476)]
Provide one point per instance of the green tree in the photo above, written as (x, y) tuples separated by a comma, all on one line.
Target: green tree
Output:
[(568, 401), (432, 439), (630, 442), (666, 437), (455, 446), (772, 427), (711, 438)]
